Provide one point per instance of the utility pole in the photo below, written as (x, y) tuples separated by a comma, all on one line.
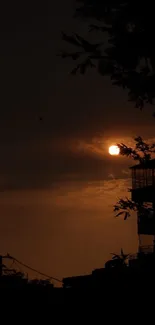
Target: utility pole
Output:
[(1, 265), (1, 262)]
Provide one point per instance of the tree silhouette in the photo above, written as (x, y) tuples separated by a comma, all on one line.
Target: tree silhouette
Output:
[(128, 56)]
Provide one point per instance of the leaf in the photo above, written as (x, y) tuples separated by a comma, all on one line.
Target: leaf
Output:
[(83, 42), (126, 215), (99, 28), (74, 71), (71, 40), (120, 213), (93, 27), (74, 55), (122, 252), (115, 256)]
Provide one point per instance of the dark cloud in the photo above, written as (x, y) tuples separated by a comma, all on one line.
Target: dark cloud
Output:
[(42, 172)]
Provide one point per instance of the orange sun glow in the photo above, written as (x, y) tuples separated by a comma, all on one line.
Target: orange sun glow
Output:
[(114, 150)]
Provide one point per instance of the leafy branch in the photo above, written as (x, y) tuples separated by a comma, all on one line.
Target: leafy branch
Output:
[(129, 56), (125, 206), (92, 51), (142, 151)]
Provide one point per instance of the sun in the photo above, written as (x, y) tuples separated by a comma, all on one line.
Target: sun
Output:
[(114, 150)]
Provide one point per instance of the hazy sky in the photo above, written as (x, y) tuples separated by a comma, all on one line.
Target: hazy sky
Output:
[(58, 183)]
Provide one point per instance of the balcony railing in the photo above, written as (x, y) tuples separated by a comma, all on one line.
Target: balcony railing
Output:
[(140, 183), (147, 249)]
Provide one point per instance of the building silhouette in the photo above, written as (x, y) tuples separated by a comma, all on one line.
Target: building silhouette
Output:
[(142, 193)]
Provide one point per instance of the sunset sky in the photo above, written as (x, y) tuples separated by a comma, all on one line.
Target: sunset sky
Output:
[(58, 183)]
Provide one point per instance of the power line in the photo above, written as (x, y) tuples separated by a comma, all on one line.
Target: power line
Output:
[(32, 269), (41, 273)]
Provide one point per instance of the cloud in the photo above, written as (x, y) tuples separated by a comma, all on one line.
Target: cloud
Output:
[(42, 163), (125, 172), (111, 176), (93, 193), (41, 160)]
